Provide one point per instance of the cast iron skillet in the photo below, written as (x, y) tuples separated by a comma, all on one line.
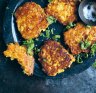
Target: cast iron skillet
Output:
[(11, 35)]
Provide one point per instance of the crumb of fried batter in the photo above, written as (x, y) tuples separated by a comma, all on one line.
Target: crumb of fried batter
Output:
[(15, 51), (31, 20), (63, 10), (75, 35), (54, 58)]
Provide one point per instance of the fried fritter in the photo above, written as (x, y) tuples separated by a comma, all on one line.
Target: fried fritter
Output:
[(54, 58), (31, 20), (75, 35), (15, 51), (63, 10)]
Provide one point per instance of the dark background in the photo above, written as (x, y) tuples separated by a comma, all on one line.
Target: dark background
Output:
[(84, 82)]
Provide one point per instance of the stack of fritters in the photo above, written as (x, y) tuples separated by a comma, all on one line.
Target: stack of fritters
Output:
[(15, 51), (63, 10), (75, 35), (54, 58), (31, 20)]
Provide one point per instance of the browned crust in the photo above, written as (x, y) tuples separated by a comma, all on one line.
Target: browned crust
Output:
[(75, 35), (54, 58), (15, 51), (31, 20), (63, 10)]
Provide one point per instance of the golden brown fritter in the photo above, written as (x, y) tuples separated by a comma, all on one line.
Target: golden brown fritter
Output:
[(15, 51), (75, 35), (31, 20), (54, 58), (63, 10)]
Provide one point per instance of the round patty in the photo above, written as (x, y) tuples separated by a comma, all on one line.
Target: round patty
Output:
[(31, 20), (54, 58)]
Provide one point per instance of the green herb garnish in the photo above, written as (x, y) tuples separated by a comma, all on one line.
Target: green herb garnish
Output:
[(85, 44), (49, 1), (88, 26), (56, 37), (94, 64), (52, 31), (37, 39), (93, 49), (48, 33), (30, 45), (36, 50), (51, 19), (86, 55), (42, 34), (79, 58), (70, 25)]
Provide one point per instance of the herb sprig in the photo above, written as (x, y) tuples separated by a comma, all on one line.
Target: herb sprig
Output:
[(79, 58), (51, 19), (70, 25), (49, 1), (49, 34), (93, 49), (56, 37), (85, 44), (30, 45)]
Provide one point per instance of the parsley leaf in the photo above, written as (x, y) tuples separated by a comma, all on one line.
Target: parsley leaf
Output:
[(93, 49), (49, 1), (79, 58), (86, 55), (36, 39), (52, 31), (42, 34), (30, 45), (56, 37), (51, 19), (70, 25), (48, 33), (36, 50), (85, 44)]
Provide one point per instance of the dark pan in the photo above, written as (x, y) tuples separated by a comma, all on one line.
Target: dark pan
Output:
[(11, 35)]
